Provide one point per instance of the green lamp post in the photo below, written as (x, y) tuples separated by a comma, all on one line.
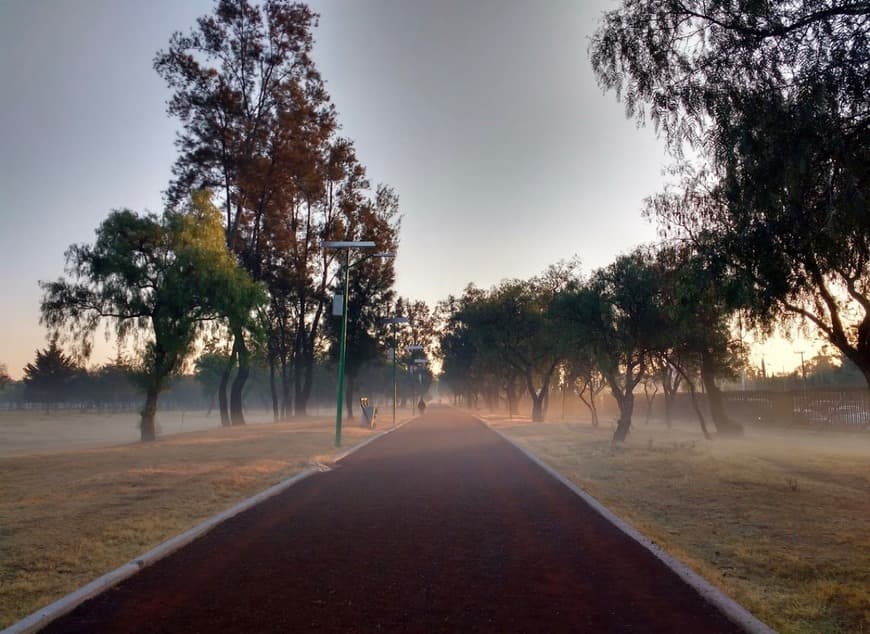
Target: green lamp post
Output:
[(395, 321), (346, 246)]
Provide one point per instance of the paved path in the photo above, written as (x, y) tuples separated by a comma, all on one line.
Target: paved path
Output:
[(441, 526)]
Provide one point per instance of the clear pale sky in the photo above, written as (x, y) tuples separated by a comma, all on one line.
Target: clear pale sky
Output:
[(484, 116)]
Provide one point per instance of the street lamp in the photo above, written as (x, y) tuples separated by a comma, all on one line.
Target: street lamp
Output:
[(395, 321), (419, 364), (346, 245), (413, 348)]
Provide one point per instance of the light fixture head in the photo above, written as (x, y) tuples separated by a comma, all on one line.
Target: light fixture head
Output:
[(348, 244)]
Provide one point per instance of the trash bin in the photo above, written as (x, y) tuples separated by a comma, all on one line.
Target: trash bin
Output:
[(369, 412)]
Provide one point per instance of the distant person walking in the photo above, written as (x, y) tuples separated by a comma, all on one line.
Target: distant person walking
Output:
[(421, 406)]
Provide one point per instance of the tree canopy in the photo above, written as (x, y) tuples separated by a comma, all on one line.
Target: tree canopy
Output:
[(164, 276), (50, 378), (772, 97), (5, 379), (260, 132)]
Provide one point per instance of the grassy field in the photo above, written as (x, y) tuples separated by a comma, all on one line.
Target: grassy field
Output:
[(68, 517), (778, 520)]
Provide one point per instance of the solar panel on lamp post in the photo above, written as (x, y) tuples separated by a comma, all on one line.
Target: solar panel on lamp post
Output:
[(346, 245)]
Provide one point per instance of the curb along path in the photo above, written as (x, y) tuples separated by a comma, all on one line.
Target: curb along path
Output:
[(441, 526)]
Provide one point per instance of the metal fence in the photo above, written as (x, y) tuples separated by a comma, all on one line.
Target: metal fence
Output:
[(846, 408)]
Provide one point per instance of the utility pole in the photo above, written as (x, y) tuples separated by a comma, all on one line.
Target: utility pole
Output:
[(803, 369)]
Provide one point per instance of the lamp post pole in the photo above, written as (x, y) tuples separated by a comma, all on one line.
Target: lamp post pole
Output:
[(411, 366), (395, 385), (394, 322), (342, 350)]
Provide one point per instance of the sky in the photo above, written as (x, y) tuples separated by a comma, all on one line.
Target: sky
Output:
[(484, 116)]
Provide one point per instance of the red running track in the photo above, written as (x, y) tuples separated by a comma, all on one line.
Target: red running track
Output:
[(441, 526)]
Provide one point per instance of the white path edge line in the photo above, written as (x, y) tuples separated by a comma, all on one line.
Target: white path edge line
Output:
[(43, 616), (732, 610)]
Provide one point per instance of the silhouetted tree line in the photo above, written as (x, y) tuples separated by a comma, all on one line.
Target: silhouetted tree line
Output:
[(55, 380), (653, 315)]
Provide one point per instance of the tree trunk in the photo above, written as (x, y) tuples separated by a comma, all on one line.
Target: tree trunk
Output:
[(237, 416), (670, 384), (626, 407), (537, 408), (147, 426), (299, 404), (273, 390), (669, 408), (303, 381), (695, 405), (349, 381), (670, 400), (865, 368), (222, 390), (540, 397), (510, 401), (590, 405), (859, 354), (286, 403), (649, 401), (724, 425)]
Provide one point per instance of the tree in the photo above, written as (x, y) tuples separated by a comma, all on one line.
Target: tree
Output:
[(586, 379), (670, 379), (260, 132), (513, 331), (50, 377), (238, 80), (5, 379), (460, 363), (699, 298), (208, 370), (578, 345), (832, 369), (415, 341), (619, 311), (163, 277), (256, 120), (774, 97), (115, 384)]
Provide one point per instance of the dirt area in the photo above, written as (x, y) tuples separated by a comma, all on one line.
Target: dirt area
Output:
[(780, 519)]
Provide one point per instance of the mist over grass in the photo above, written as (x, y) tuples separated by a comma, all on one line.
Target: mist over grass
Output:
[(778, 519)]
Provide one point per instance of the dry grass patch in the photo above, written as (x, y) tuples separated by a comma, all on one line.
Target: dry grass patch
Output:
[(66, 518), (778, 520)]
